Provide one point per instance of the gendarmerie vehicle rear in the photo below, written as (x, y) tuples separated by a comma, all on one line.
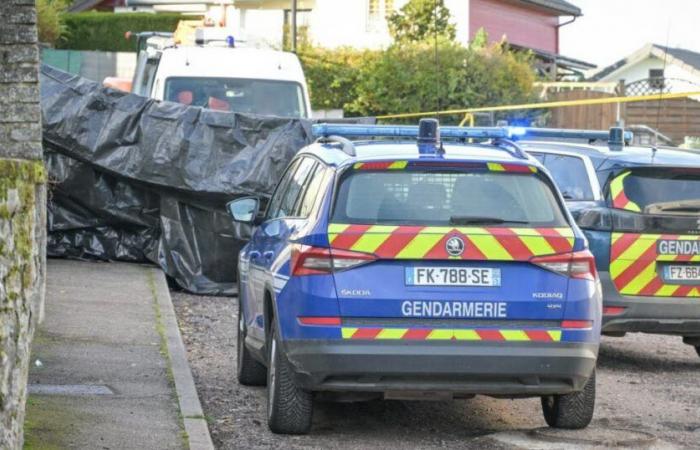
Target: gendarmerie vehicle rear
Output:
[(640, 210), (414, 268)]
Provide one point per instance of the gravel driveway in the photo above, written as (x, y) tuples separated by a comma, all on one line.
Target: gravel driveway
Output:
[(645, 383)]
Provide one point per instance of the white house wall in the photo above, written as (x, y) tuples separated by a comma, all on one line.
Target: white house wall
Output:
[(337, 23), (640, 71)]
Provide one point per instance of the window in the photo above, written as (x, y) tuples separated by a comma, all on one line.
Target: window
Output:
[(265, 97), (377, 10), (664, 191), (288, 201), (438, 198), (313, 187), (656, 79), (276, 200), (570, 175)]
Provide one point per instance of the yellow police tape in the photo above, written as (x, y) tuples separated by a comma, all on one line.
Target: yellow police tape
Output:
[(589, 101)]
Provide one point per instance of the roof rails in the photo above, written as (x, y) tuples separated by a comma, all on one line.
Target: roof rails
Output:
[(616, 137)]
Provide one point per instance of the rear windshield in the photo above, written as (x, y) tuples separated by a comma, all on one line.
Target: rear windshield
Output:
[(662, 191), (446, 198), (264, 97)]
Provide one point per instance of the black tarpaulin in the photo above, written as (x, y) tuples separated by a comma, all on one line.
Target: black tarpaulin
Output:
[(135, 179)]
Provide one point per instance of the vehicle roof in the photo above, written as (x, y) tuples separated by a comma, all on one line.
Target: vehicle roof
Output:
[(631, 156), (408, 150), (226, 62)]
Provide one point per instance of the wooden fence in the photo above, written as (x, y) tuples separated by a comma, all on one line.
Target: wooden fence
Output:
[(676, 118)]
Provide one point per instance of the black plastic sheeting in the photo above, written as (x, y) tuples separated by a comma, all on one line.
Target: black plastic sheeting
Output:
[(135, 179)]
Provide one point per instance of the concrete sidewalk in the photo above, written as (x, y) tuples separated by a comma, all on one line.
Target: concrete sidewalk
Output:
[(107, 364)]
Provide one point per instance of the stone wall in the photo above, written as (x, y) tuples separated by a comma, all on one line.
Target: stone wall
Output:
[(22, 210)]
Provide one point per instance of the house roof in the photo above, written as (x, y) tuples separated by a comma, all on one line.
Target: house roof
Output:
[(559, 6), (684, 58), (87, 5)]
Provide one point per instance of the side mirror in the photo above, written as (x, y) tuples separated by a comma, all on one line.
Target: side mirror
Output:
[(595, 219), (244, 209)]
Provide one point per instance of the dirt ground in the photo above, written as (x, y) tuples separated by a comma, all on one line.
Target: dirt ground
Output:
[(645, 383)]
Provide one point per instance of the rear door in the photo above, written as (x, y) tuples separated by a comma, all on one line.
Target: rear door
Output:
[(451, 240), (655, 245)]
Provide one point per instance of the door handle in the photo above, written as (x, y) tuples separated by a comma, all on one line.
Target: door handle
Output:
[(268, 255), (254, 254)]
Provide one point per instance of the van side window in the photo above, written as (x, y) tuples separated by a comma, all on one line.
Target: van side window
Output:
[(570, 175)]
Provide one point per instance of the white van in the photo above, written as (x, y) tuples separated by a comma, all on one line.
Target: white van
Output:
[(223, 77)]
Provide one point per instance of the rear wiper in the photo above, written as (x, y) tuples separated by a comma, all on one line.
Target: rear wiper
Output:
[(472, 220), (682, 206)]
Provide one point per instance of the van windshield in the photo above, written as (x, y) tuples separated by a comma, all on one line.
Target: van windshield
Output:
[(446, 199), (264, 97)]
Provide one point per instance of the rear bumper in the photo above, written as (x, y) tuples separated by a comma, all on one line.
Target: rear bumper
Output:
[(660, 315), (499, 369)]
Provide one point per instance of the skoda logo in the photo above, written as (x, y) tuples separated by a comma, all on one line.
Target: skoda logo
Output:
[(454, 246)]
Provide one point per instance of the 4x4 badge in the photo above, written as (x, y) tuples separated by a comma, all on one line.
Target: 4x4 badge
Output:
[(454, 246)]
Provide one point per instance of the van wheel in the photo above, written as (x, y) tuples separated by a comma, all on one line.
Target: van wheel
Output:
[(248, 371), (571, 411), (289, 408)]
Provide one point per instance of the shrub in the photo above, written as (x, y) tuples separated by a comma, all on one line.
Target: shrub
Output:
[(105, 31), (419, 20), (334, 75), (50, 24), (406, 78)]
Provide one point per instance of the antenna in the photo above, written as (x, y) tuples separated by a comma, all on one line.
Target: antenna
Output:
[(437, 60), (661, 88)]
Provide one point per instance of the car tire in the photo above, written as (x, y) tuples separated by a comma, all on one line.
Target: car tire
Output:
[(571, 411), (289, 408), (697, 349), (248, 371)]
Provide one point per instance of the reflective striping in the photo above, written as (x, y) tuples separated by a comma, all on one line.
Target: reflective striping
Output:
[(421, 244), (515, 335), (414, 242), (373, 238), (392, 333), (348, 333), (397, 165), (446, 334), (403, 165), (634, 269), (618, 196), (490, 247)]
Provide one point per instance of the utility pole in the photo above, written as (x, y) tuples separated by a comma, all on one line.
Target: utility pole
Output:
[(294, 26)]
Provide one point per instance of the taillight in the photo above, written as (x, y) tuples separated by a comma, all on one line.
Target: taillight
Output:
[(613, 310), (575, 265), (307, 260), (577, 324)]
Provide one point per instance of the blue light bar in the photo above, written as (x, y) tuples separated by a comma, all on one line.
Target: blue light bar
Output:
[(406, 131), (513, 133)]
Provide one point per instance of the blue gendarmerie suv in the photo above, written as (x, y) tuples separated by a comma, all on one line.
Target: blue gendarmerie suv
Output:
[(416, 266)]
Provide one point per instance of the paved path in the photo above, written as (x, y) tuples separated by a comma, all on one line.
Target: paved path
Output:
[(101, 375)]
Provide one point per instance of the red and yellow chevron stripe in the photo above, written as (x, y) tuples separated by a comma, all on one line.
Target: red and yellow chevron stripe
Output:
[(417, 242), (402, 165), (618, 196), (633, 259), (442, 334)]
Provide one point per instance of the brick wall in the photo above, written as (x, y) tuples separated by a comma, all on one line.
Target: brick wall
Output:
[(22, 210)]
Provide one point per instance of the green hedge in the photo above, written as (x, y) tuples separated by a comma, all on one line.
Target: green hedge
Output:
[(105, 31), (405, 78)]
